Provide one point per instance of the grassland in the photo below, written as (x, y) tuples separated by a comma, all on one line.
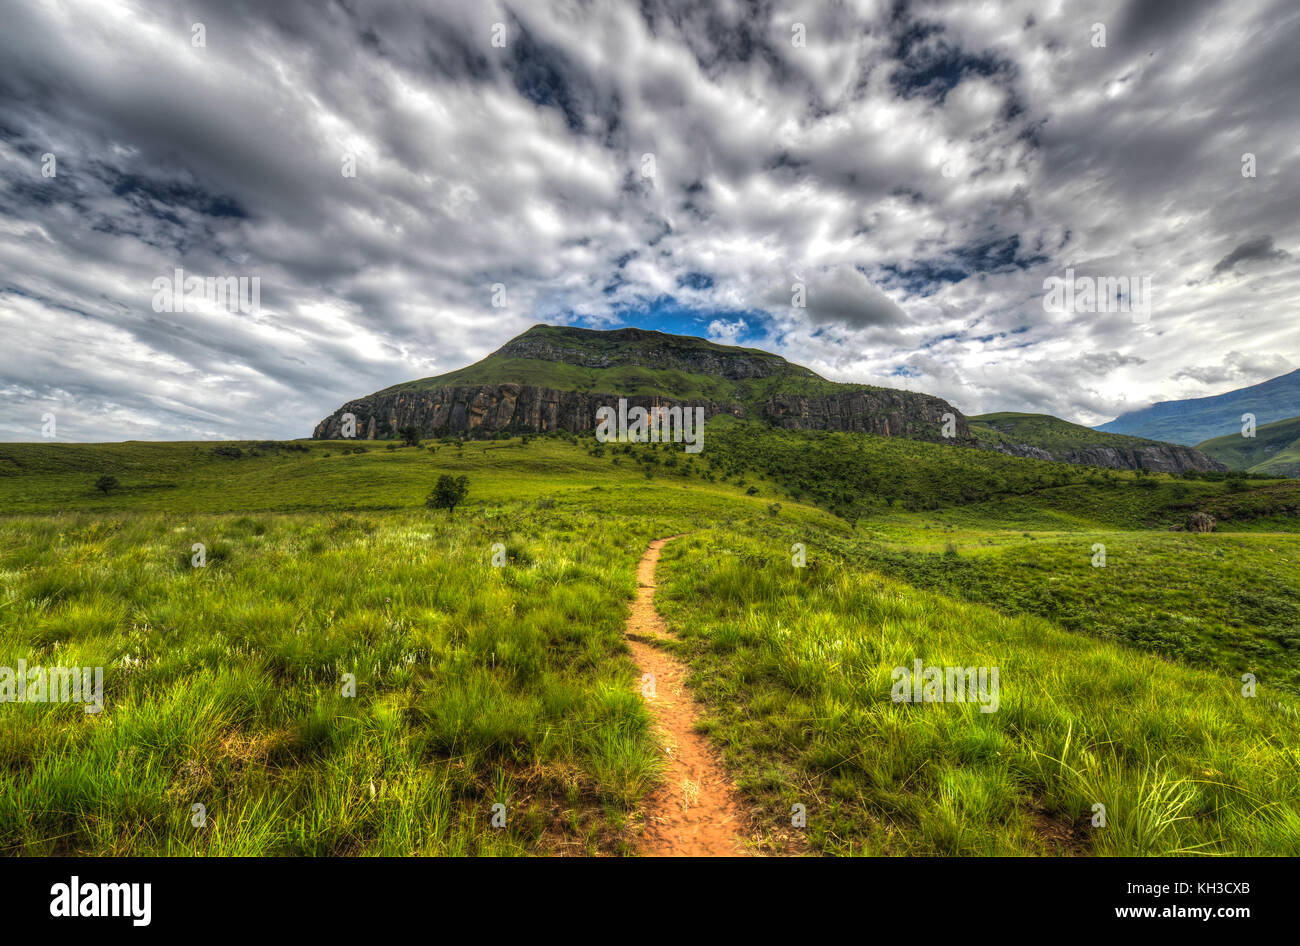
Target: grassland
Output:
[(478, 685), (795, 664), (1273, 450)]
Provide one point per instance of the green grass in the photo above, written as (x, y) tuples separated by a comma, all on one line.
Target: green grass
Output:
[(1230, 602), (795, 665), (224, 684), (864, 477), (478, 685)]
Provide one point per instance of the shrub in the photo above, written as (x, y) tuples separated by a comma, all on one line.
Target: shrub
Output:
[(448, 493)]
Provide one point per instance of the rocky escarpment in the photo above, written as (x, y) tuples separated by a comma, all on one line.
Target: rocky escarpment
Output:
[(489, 408), (878, 411), (1154, 457)]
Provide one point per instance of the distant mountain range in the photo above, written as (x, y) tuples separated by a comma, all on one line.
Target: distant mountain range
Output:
[(556, 377), (1202, 418)]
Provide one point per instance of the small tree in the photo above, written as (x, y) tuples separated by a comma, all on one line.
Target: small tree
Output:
[(448, 493), (410, 435), (106, 483)]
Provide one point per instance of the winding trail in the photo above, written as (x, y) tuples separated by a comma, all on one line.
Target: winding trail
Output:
[(694, 813)]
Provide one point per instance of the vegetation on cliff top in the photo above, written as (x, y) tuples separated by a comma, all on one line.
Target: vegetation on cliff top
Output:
[(632, 362), (1046, 432)]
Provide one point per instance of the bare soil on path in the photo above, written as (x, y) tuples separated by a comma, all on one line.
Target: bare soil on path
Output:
[(694, 813)]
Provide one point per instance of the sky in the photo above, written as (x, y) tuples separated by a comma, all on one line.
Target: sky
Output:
[(881, 191)]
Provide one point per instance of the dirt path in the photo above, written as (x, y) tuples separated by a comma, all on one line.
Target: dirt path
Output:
[(694, 813)]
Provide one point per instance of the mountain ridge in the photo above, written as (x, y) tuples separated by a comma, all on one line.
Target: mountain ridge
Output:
[(1191, 421)]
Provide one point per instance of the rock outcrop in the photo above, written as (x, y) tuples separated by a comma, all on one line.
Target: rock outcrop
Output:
[(877, 411), (485, 408)]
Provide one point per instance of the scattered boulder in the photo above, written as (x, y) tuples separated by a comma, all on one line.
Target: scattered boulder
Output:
[(1200, 522)]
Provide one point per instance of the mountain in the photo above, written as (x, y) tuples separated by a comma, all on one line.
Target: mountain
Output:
[(1044, 437), (1202, 418), (555, 378), (1274, 450)]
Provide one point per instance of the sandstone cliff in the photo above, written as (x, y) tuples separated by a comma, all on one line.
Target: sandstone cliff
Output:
[(488, 408)]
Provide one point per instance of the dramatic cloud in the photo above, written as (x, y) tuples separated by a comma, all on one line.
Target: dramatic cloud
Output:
[(412, 185), (1252, 251)]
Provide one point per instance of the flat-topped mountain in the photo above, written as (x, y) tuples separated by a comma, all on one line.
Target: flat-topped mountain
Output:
[(555, 378)]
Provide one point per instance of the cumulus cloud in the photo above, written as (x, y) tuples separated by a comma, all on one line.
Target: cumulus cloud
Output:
[(920, 166), (1237, 366)]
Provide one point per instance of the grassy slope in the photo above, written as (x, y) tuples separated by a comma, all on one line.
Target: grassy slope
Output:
[(1046, 432), (1275, 449), (478, 684), (795, 664)]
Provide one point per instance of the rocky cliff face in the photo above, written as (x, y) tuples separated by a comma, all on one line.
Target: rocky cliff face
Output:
[(1155, 457), (524, 408), (884, 412)]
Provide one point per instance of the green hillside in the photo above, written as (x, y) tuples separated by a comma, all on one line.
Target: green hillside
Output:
[(1274, 450), (1045, 431)]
